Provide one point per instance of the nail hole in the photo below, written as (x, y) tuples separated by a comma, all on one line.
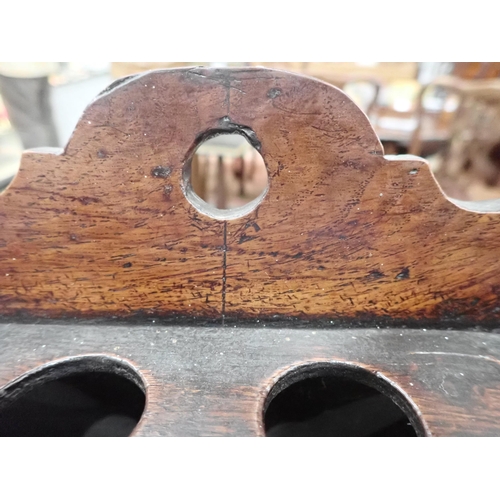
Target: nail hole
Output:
[(226, 178), (332, 399), (85, 396)]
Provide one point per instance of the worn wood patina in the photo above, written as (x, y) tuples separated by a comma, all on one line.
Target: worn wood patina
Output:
[(108, 231)]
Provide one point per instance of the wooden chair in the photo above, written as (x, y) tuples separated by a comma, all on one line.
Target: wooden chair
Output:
[(469, 157), (352, 278), (476, 70)]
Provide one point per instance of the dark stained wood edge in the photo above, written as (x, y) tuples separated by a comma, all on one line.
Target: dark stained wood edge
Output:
[(314, 140), (215, 381)]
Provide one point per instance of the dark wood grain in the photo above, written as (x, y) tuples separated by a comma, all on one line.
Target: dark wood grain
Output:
[(102, 233), (344, 233), (214, 381)]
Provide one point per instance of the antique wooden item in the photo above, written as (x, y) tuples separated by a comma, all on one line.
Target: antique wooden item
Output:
[(350, 265)]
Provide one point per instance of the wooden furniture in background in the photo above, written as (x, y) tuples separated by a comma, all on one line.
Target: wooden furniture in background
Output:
[(476, 70), (228, 172), (469, 166), (351, 260)]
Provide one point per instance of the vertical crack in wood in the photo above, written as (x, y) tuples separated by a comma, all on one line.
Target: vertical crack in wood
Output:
[(224, 262)]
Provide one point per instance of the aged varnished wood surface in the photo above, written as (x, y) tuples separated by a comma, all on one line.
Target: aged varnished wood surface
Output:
[(103, 228), (101, 234), (214, 381)]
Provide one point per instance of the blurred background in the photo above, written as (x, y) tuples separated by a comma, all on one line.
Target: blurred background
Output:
[(448, 113)]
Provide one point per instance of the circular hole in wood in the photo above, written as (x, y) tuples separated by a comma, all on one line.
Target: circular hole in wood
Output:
[(226, 177), (331, 399), (84, 396)]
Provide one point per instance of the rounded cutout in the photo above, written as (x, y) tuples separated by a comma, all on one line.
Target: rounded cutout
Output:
[(226, 177), (86, 396), (333, 399)]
